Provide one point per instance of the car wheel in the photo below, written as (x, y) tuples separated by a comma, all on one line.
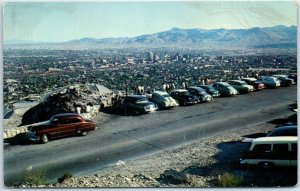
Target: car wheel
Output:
[(83, 133), (266, 165), (44, 138)]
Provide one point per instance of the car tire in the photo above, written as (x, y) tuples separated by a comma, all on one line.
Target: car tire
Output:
[(266, 165), (44, 139), (83, 133)]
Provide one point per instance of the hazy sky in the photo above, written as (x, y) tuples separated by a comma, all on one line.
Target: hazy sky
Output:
[(68, 21)]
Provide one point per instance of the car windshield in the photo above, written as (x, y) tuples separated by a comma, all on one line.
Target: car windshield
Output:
[(142, 99), (184, 93), (243, 83), (53, 119), (210, 88), (166, 95)]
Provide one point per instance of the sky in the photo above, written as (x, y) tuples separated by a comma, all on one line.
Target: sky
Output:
[(63, 21)]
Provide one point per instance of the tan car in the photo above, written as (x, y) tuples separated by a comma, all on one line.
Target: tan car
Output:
[(60, 125)]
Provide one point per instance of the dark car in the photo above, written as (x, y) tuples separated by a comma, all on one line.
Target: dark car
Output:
[(225, 89), (293, 76), (284, 80), (136, 104), (258, 85), (60, 125), (290, 130), (210, 90), (200, 93), (184, 97)]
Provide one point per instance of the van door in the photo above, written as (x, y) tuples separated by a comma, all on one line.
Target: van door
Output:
[(281, 154), (294, 154)]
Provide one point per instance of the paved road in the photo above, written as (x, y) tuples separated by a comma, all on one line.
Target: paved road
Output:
[(129, 137)]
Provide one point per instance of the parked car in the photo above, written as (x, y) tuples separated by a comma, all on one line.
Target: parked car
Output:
[(137, 104), (184, 97), (270, 82), (284, 80), (163, 99), (290, 130), (241, 86), (210, 90), (255, 83), (293, 76), (268, 152), (60, 125), (200, 93), (225, 89)]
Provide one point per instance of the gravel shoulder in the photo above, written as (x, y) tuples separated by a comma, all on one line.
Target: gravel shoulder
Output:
[(195, 165)]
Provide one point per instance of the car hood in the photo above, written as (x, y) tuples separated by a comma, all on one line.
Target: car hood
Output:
[(43, 123), (145, 103), (169, 99), (190, 96), (231, 89)]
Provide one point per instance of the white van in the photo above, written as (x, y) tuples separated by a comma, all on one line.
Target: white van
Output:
[(272, 151)]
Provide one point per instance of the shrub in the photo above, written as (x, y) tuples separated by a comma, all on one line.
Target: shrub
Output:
[(64, 177), (34, 177), (229, 180)]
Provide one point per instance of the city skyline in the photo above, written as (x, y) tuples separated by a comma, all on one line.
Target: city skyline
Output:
[(57, 22)]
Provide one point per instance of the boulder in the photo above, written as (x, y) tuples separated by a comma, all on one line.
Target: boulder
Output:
[(174, 177), (63, 102)]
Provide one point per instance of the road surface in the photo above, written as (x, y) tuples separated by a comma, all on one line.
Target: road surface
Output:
[(129, 137)]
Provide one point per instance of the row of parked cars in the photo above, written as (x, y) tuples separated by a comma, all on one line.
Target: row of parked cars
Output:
[(67, 124), (139, 104)]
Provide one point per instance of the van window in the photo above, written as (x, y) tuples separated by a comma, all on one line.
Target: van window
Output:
[(262, 148), (280, 148), (294, 147)]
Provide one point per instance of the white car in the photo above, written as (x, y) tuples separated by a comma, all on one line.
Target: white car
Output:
[(163, 99), (268, 152)]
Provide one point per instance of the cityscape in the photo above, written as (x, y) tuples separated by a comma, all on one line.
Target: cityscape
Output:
[(142, 88)]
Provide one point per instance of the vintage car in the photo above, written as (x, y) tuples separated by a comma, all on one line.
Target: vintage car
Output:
[(268, 152), (270, 82), (60, 125), (287, 130), (241, 86), (225, 89), (137, 104), (210, 90), (200, 93), (184, 97), (284, 80), (255, 83), (163, 100)]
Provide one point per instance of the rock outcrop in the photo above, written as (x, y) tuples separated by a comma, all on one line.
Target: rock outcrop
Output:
[(63, 102)]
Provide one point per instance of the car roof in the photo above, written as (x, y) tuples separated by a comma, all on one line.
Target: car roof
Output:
[(62, 115), (179, 90), (281, 139), (239, 81), (222, 83), (160, 93), (252, 79), (195, 87), (136, 96), (279, 75)]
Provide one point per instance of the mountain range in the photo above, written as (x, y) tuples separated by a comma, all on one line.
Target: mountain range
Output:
[(269, 37)]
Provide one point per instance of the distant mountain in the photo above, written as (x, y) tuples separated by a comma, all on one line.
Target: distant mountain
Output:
[(268, 37)]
